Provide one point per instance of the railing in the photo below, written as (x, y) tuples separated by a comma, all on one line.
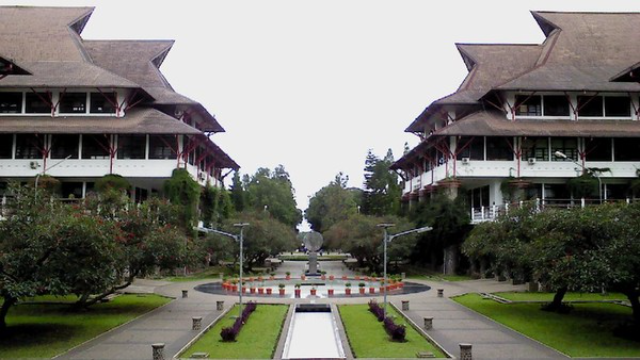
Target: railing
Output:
[(490, 213)]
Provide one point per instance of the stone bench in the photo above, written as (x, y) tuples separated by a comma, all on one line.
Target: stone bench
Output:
[(425, 355), (200, 355)]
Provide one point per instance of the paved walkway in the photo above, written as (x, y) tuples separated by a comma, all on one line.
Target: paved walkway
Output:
[(453, 324)]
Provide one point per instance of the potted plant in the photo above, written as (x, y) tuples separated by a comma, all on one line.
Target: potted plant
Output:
[(323, 275), (288, 275), (244, 289), (344, 277), (234, 285), (357, 277), (361, 286), (400, 284), (313, 290), (347, 288), (281, 289), (302, 277), (260, 278), (331, 277), (330, 291), (260, 291), (269, 290), (296, 291), (252, 289), (272, 276)]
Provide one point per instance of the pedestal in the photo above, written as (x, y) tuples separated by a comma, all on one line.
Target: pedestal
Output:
[(219, 305), (158, 351), (428, 323), (465, 352), (196, 323), (185, 294), (405, 305), (313, 263)]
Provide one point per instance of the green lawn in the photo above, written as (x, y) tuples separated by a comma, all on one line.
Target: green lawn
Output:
[(43, 330), (585, 332), (257, 339), (368, 339), (527, 296)]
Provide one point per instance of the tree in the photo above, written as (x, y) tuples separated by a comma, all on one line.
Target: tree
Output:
[(382, 188), (216, 205), (183, 191), (28, 239), (450, 222), (265, 236), (273, 191), (237, 193), (360, 236), (331, 204)]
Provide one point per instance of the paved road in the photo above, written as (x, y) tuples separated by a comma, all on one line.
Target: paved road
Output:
[(453, 324)]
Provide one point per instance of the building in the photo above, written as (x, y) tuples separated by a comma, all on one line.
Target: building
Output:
[(78, 109), (529, 117)]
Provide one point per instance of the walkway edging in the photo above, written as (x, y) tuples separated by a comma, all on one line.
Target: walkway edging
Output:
[(422, 332), (202, 332)]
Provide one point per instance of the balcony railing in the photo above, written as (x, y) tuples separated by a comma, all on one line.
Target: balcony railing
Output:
[(490, 213)]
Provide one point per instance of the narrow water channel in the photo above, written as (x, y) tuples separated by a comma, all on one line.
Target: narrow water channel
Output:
[(313, 334)]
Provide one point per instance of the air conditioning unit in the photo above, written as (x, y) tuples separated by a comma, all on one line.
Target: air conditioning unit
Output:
[(531, 161), (34, 165), (465, 161)]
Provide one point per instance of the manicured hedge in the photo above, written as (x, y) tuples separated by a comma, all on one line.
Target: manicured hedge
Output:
[(230, 333), (397, 332)]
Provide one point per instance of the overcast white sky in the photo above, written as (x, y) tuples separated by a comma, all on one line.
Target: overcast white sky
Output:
[(313, 85)]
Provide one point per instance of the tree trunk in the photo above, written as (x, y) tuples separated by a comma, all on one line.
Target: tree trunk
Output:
[(556, 304), (8, 302), (450, 260), (635, 305)]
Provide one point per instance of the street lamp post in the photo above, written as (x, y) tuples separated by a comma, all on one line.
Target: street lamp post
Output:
[(562, 155), (237, 238), (387, 239)]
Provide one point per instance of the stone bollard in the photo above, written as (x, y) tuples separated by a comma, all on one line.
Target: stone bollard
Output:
[(221, 276), (219, 305), (158, 351), (197, 323), (428, 322), (405, 305), (404, 275), (440, 292), (185, 294), (465, 352)]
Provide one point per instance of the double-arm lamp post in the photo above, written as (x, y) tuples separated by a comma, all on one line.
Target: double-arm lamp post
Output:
[(238, 238), (387, 239), (562, 155)]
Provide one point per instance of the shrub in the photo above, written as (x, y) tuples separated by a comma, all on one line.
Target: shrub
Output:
[(397, 332), (376, 310), (231, 333)]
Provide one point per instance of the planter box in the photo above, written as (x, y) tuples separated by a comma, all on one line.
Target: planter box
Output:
[(296, 292), (269, 290), (382, 289), (288, 277), (330, 292), (244, 289), (344, 277), (372, 290), (323, 277), (260, 291), (281, 292), (313, 291), (347, 291), (331, 277), (252, 290), (234, 288)]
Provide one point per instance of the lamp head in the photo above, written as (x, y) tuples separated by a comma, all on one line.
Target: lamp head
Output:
[(560, 154)]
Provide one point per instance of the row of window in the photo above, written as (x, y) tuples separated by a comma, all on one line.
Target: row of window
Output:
[(91, 146), (68, 103), (539, 148), (559, 105)]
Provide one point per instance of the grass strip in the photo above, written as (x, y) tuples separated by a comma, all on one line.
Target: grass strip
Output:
[(585, 332), (257, 339), (368, 339), (528, 296), (44, 330)]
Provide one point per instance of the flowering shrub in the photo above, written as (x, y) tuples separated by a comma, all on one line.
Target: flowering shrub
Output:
[(231, 333), (397, 332)]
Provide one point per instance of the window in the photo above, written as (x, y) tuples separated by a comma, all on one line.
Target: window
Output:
[(103, 103), (132, 147), (556, 105), (598, 149), (567, 146), (38, 103), (10, 103), (161, 147), (73, 103), (498, 148), (472, 147), (590, 106), (626, 149), (95, 147), (528, 105), (64, 145), (71, 190), (617, 106), (556, 192), (6, 146), (535, 148), (29, 146)]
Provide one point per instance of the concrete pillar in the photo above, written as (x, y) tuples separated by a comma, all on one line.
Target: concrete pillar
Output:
[(196, 323), (404, 275), (428, 322), (158, 351), (440, 292), (219, 305), (405, 305), (221, 275), (185, 294), (465, 352)]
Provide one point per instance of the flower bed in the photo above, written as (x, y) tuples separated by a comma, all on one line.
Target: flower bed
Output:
[(230, 333), (397, 332)]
